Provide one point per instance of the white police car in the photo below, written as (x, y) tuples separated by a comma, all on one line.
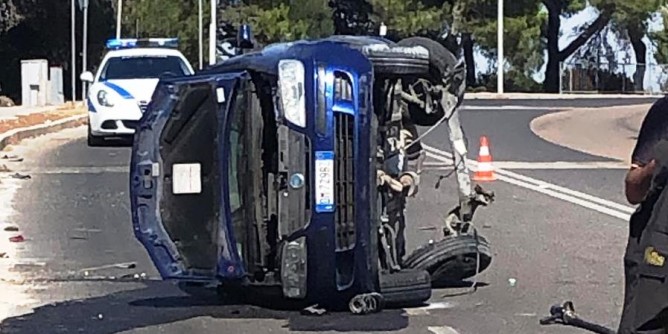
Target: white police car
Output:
[(124, 83)]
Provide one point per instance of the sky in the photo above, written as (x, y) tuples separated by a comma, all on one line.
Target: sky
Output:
[(653, 75)]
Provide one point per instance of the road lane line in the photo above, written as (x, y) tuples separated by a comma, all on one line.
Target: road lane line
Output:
[(541, 183), (509, 107), (547, 189), (551, 165), (442, 330)]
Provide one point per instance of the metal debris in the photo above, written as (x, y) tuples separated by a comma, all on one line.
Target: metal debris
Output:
[(314, 310)]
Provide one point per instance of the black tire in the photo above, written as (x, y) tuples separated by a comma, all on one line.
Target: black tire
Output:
[(389, 58), (441, 60), (441, 64), (407, 287), (452, 259), (94, 141)]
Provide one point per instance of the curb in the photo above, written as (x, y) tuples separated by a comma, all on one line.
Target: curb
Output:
[(547, 96), (16, 135)]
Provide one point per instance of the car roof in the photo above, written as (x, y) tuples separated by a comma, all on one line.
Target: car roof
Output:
[(135, 52)]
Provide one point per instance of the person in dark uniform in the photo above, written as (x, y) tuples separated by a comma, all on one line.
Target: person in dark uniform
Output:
[(645, 309)]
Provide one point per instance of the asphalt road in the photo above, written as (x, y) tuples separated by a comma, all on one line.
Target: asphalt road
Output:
[(74, 214)]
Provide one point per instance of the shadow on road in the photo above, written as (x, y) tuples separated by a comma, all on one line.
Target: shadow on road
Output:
[(151, 306)]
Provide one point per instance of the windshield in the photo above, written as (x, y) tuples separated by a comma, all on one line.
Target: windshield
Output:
[(140, 67)]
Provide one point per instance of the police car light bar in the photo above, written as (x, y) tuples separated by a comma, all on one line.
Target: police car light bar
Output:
[(129, 43)]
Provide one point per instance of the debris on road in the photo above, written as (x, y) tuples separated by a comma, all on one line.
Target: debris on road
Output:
[(21, 176), (3, 255), (17, 238), (313, 310), (88, 230), (4, 169), (12, 158), (11, 228), (122, 265), (512, 282)]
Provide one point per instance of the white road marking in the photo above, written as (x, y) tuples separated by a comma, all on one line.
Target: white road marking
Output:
[(585, 200), (552, 165), (442, 330), (509, 107), (425, 309)]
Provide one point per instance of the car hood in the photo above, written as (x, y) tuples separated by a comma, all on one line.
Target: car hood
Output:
[(138, 89)]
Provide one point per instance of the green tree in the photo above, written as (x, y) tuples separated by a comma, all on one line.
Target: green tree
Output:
[(158, 18), (630, 22), (41, 29), (565, 8)]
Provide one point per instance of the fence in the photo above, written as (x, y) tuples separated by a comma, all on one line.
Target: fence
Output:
[(620, 78)]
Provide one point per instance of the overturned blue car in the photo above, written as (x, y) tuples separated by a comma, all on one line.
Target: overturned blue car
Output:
[(285, 171)]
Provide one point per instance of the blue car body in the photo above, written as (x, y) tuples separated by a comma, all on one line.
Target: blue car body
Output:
[(340, 235)]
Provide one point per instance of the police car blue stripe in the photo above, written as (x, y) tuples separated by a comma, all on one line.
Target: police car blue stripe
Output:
[(91, 107), (118, 89)]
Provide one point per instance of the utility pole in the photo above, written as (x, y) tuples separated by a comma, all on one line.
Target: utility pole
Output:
[(74, 53), (118, 18), (212, 33), (199, 36), (84, 62), (499, 37)]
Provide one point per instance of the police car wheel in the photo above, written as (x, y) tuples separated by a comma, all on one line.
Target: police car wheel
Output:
[(452, 259), (405, 288), (93, 140)]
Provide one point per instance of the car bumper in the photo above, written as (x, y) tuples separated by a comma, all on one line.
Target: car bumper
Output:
[(111, 124)]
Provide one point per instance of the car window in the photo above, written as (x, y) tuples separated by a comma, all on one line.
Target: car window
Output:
[(236, 152), (142, 67)]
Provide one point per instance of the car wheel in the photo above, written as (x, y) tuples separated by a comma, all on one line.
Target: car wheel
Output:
[(94, 140), (441, 60), (405, 288), (452, 259)]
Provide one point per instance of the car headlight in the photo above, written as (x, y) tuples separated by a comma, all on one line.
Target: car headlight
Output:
[(291, 84), (293, 268), (105, 99)]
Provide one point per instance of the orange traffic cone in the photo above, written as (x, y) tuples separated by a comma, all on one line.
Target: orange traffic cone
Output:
[(485, 171)]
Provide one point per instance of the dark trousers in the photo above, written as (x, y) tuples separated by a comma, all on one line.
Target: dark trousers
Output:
[(645, 308)]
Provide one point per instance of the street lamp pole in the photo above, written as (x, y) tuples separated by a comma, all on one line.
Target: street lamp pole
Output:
[(499, 37), (199, 36), (84, 62), (118, 19), (212, 33), (74, 53)]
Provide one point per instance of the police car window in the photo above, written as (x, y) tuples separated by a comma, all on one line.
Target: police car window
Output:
[(142, 67)]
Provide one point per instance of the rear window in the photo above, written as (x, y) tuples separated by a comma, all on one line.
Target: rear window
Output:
[(142, 67)]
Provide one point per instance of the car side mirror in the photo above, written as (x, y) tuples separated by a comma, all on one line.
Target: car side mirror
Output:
[(87, 76)]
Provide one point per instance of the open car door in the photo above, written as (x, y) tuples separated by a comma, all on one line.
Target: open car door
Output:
[(176, 179)]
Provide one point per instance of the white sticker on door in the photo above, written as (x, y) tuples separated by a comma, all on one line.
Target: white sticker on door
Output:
[(186, 178)]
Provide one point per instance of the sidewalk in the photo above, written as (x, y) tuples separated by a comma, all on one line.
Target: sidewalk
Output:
[(17, 123)]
